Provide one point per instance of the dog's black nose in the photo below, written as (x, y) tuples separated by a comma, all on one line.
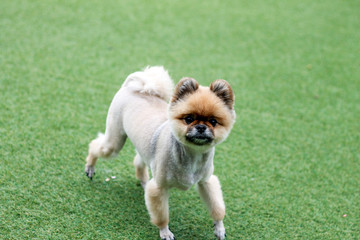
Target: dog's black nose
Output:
[(201, 128)]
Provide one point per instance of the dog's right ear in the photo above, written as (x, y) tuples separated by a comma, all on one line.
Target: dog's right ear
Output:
[(224, 91), (186, 86)]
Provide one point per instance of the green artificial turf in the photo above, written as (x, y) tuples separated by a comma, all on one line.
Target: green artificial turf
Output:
[(290, 168)]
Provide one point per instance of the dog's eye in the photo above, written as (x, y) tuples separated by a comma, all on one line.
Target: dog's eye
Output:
[(213, 122), (189, 119)]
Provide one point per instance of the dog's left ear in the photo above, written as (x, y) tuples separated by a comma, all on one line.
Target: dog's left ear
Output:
[(224, 91)]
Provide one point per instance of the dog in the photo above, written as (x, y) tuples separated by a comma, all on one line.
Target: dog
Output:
[(174, 134)]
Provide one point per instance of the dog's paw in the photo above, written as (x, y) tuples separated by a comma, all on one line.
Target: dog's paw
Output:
[(89, 171), (166, 234), (219, 230)]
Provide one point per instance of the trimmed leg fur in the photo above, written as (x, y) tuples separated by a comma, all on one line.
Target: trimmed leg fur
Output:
[(156, 200), (141, 171), (211, 194), (103, 147)]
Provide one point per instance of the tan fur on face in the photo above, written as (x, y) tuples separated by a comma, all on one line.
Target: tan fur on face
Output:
[(202, 103)]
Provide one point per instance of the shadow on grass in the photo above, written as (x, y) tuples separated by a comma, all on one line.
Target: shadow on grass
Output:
[(121, 203)]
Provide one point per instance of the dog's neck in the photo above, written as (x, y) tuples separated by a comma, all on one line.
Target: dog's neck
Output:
[(193, 154)]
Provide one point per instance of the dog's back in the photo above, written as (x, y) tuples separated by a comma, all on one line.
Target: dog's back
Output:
[(136, 111)]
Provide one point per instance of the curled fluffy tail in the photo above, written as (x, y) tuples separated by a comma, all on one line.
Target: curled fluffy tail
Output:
[(153, 81)]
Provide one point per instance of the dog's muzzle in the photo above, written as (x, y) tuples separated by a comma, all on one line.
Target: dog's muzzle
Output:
[(199, 135)]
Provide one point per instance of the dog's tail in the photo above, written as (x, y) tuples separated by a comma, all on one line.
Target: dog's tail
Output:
[(153, 81)]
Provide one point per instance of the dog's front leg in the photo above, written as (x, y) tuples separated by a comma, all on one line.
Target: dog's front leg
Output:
[(156, 199), (210, 192)]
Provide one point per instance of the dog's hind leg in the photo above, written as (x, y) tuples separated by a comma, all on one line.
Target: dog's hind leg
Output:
[(102, 147), (106, 145), (210, 192), (141, 170)]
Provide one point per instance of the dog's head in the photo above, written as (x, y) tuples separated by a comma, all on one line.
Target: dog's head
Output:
[(201, 117)]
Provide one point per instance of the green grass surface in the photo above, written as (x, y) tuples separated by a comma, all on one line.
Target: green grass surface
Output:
[(289, 170)]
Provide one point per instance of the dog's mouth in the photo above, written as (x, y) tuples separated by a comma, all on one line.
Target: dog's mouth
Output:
[(199, 139)]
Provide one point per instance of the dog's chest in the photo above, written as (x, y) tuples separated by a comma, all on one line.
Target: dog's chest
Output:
[(188, 172), (186, 180)]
